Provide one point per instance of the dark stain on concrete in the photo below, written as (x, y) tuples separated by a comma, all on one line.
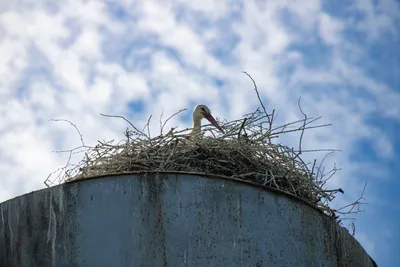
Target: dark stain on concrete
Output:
[(44, 217), (153, 220)]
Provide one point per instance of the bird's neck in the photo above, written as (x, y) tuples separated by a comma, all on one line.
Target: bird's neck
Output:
[(196, 124)]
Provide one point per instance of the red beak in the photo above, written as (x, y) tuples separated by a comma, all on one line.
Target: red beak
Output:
[(211, 119)]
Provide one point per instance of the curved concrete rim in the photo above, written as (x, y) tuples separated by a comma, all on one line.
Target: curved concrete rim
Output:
[(207, 175)]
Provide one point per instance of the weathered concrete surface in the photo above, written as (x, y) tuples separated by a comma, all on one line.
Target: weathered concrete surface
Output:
[(169, 220)]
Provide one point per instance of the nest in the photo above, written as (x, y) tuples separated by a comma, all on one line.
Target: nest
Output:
[(246, 151)]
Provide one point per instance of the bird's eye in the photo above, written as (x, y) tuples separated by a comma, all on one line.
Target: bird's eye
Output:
[(203, 109)]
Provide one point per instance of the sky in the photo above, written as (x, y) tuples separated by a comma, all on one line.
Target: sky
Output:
[(75, 59)]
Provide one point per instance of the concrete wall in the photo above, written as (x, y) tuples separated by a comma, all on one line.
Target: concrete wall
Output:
[(169, 220)]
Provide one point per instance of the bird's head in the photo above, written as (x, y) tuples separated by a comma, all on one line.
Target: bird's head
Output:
[(203, 112)]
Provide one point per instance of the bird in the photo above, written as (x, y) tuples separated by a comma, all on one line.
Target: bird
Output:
[(202, 112)]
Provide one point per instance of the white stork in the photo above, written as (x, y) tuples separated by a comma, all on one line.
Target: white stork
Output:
[(202, 112)]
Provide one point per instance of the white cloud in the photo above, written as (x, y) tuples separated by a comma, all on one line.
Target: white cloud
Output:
[(260, 30), (213, 9), (383, 146), (305, 13), (380, 17), (132, 86), (71, 70), (159, 19), (329, 29), (88, 44)]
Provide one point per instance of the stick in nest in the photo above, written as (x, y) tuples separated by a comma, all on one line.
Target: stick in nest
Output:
[(122, 117), (270, 119)]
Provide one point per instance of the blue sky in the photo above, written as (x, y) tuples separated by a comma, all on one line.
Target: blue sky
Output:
[(76, 59)]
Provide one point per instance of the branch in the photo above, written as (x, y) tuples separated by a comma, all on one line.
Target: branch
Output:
[(170, 117), (76, 128), (122, 117), (259, 99), (304, 125)]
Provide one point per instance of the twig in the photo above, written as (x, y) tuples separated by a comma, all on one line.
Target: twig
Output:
[(304, 125), (76, 128), (161, 127), (354, 204), (259, 99), (170, 117), (122, 117), (148, 127), (242, 127)]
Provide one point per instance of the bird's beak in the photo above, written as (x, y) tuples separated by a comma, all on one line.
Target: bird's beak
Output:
[(211, 119)]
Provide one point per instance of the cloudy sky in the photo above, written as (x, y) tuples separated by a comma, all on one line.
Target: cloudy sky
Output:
[(76, 59)]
